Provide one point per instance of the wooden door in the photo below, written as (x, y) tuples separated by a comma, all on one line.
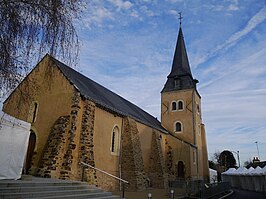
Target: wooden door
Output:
[(180, 170), (30, 151)]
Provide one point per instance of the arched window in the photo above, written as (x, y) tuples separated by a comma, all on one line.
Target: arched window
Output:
[(180, 170), (180, 105), (173, 106), (115, 142), (178, 127), (33, 112), (35, 109)]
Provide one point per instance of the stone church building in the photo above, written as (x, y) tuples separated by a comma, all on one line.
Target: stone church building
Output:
[(74, 119)]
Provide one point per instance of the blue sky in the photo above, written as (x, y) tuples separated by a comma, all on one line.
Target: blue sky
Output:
[(128, 47)]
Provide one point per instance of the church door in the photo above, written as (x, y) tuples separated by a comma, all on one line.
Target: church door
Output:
[(180, 170), (30, 151)]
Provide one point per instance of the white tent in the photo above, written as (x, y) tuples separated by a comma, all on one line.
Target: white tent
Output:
[(255, 180), (14, 137), (230, 171), (249, 179), (245, 178), (213, 175)]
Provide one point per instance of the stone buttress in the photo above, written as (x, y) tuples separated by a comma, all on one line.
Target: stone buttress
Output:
[(132, 160), (86, 150), (52, 156), (156, 173)]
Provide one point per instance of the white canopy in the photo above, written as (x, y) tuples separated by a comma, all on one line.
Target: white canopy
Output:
[(247, 172), (213, 175), (244, 171), (14, 137), (263, 170), (256, 171), (230, 171)]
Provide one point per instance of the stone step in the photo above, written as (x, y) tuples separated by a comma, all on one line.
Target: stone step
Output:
[(43, 188), (78, 197), (39, 184), (50, 193), (18, 189), (109, 197)]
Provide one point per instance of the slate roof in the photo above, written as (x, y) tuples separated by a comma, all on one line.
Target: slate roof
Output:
[(106, 98), (180, 65), (180, 76)]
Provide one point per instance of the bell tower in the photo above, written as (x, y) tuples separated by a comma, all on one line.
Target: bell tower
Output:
[(181, 112), (180, 101)]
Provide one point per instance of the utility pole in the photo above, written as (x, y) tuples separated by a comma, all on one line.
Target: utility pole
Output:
[(238, 158), (258, 149)]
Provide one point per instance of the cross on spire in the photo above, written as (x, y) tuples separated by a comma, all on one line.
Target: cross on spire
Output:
[(180, 18)]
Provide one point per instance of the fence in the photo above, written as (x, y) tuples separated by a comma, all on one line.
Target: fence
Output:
[(197, 188)]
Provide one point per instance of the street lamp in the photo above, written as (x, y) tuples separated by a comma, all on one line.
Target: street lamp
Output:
[(258, 149), (237, 153)]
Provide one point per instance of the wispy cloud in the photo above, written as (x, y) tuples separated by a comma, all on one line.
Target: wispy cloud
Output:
[(95, 16), (147, 11), (233, 7), (252, 23), (241, 71), (173, 12), (120, 4)]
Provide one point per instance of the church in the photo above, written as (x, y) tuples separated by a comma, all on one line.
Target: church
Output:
[(74, 119)]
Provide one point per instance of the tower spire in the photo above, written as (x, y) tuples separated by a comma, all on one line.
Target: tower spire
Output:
[(180, 76)]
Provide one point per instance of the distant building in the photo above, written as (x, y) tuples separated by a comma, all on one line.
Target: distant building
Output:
[(75, 119), (256, 162)]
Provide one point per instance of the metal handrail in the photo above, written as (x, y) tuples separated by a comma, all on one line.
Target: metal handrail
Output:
[(120, 179), (106, 173)]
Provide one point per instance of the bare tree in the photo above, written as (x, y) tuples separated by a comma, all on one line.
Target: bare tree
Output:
[(227, 159), (216, 156), (31, 28)]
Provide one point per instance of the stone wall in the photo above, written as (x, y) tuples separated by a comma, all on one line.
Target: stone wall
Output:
[(132, 160), (157, 174), (86, 145), (52, 156), (169, 161), (67, 165)]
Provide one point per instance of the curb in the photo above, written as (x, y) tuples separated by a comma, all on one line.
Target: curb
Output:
[(230, 193)]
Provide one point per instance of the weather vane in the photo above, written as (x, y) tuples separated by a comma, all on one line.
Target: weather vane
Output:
[(180, 18)]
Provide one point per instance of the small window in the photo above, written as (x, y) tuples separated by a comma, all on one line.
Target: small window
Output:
[(180, 105), (199, 130), (33, 112), (35, 108), (173, 106), (194, 156), (115, 142), (198, 109), (177, 83), (178, 127)]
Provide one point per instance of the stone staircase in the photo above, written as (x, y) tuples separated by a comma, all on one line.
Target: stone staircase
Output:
[(44, 188)]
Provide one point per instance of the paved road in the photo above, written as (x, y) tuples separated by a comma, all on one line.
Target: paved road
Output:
[(242, 194)]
